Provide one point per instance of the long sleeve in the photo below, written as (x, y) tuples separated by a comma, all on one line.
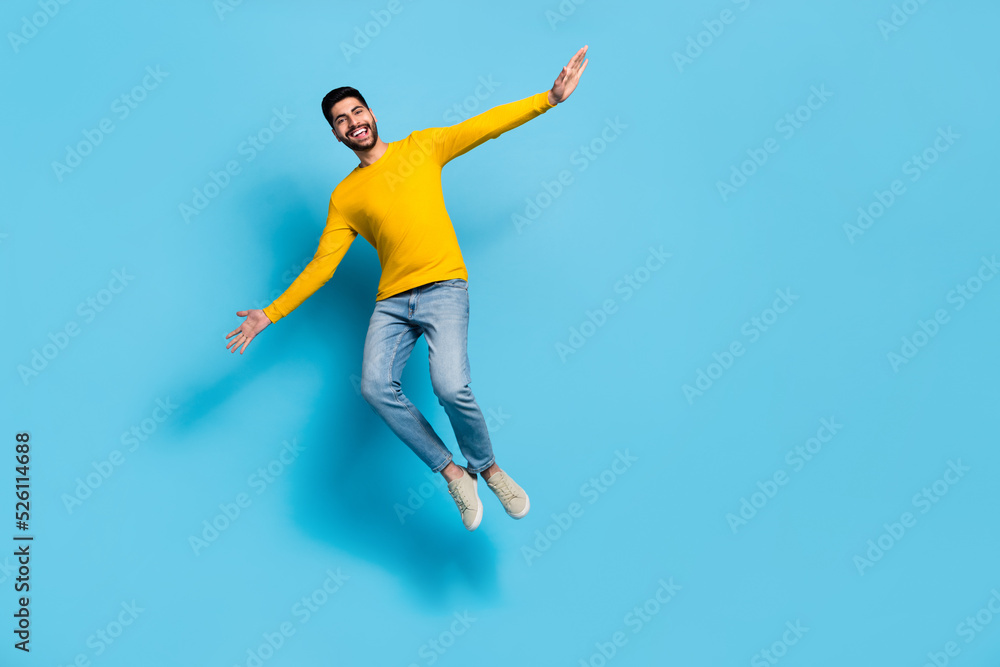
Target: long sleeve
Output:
[(333, 244), (450, 142)]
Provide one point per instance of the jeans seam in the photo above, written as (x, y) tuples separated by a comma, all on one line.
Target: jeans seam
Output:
[(392, 363)]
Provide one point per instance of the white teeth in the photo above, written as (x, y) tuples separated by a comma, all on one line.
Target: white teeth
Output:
[(358, 133)]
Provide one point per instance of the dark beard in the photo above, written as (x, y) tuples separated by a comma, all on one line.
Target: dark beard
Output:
[(368, 143)]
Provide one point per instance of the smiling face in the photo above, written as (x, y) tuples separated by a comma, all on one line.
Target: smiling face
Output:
[(354, 124)]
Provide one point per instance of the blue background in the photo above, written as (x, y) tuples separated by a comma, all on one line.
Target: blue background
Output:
[(558, 421)]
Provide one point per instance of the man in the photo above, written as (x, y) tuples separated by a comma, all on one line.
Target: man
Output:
[(393, 198)]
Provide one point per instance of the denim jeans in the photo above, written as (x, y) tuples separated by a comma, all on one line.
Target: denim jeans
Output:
[(440, 311)]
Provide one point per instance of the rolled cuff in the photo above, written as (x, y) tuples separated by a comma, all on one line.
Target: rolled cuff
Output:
[(272, 313)]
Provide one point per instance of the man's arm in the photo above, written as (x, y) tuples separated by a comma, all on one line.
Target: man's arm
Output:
[(447, 143), (333, 244), (450, 142)]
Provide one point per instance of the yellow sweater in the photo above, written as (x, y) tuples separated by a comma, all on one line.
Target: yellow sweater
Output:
[(397, 205)]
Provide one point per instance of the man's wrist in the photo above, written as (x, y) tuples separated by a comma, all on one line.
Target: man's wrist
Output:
[(552, 99)]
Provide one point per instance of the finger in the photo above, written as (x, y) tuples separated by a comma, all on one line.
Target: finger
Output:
[(234, 331), (242, 313), (245, 344), (232, 342)]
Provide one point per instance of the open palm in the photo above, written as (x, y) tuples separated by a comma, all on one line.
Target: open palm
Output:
[(256, 322), (569, 76)]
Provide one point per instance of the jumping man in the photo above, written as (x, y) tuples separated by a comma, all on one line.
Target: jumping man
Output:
[(393, 198)]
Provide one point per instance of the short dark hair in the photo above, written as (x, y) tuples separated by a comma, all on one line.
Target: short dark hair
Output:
[(335, 96)]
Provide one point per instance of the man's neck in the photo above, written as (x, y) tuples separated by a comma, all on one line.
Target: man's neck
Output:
[(370, 156)]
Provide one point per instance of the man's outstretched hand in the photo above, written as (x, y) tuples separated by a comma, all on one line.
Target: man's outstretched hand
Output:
[(568, 77), (256, 322)]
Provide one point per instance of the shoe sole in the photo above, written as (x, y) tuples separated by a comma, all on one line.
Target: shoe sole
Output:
[(479, 510), (527, 506)]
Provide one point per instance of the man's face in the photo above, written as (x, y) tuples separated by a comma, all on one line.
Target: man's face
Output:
[(353, 124)]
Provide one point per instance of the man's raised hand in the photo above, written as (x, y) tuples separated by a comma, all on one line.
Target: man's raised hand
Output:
[(568, 77), (256, 322)]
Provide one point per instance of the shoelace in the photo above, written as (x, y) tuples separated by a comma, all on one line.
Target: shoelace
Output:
[(503, 490), (460, 500)]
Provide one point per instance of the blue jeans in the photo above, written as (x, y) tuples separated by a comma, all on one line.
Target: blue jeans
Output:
[(440, 311)]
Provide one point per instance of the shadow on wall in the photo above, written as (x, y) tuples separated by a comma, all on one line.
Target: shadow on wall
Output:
[(345, 487)]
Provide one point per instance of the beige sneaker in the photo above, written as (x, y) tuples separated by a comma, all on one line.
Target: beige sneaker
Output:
[(463, 491), (512, 497)]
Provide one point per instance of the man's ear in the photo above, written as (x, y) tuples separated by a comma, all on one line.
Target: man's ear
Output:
[(335, 135)]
